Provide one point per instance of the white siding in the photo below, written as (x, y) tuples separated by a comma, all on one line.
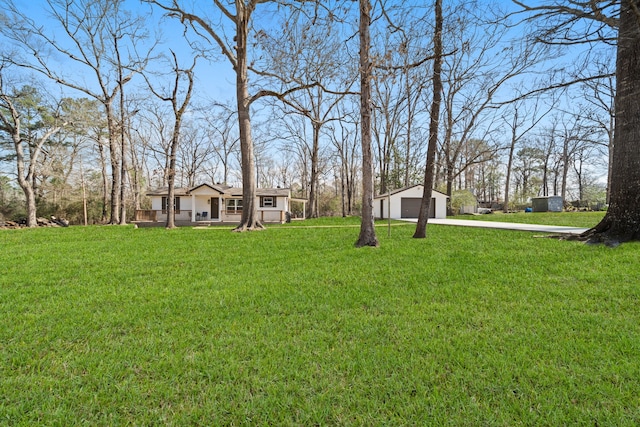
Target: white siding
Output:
[(412, 192)]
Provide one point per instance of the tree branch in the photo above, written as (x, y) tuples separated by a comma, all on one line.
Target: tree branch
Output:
[(176, 12), (590, 9), (556, 86), (282, 95)]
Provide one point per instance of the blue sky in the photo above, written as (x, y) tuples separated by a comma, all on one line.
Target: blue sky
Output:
[(215, 79)]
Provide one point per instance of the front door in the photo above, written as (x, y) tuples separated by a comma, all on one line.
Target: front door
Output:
[(215, 208)]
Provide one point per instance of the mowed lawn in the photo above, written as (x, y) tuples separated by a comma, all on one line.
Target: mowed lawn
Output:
[(295, 326)]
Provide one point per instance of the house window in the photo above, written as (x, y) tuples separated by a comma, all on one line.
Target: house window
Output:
[(176, 204), (234, 206), (268, 202)]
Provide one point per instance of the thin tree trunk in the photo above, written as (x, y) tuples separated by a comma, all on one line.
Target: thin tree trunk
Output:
[(367, 235), (407, 158), (84, 195), (114, 153), (343, 188), (434, 119), (105, 182), (171, 194), (123, 151), (135, 180), (610, 168), (565, 169), (507, 181), (313, 187)]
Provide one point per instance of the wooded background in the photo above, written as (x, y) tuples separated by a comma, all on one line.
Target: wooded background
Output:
[(94, 86)]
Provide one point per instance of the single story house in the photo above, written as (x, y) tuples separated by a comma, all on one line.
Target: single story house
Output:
[(217, 203), (405, 203)]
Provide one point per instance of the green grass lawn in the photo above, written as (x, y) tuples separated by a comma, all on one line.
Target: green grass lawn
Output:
[(295, 326)]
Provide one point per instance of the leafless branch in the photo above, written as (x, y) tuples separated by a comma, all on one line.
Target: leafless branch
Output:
[(590, 9), (556, 86), (177, 12)]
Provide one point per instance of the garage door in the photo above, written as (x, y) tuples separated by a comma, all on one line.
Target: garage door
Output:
[(410, 207)]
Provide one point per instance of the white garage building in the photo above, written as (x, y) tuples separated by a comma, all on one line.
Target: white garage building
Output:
[(405, 203)]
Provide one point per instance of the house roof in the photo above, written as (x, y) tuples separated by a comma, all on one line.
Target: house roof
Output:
[(221, 189), (163, 191), (400, 190), (273, 192), (276, 192)]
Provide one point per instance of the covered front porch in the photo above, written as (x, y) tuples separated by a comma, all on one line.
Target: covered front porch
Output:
[(202, 217), (208, 203)]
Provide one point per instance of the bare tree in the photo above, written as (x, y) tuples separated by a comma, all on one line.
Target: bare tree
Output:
[(599, 96), (220, 129), (94, 35), (196, 149), (345, 140), (27, 140), (400, 82), (475, 77), (524, 116), (425, 204), (229, 29), (293, 131), (155, 133), (367, 235), (389, 116), (547, 142), (61, 157), (306, 53), (178, 108), (622, 220)]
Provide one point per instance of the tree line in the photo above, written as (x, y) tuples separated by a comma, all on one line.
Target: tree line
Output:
[(97, 106)]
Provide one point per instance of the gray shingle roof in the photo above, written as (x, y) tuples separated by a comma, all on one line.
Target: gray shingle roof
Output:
[(222, 189)]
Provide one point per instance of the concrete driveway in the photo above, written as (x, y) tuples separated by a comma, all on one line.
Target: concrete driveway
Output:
[(560, 229)]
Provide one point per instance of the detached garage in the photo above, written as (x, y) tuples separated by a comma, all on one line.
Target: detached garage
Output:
[(405, 203)]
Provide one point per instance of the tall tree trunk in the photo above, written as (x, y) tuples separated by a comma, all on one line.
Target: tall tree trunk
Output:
[(313, 185), (507, 181), (123, 150), (545, 176), (343, 188), (407, 156), (135, 179), (622, 220), (610, 167), (171, 193), (25, 173), (434, 119), (105, 182), (114, 153), (249, 219), (26, 183), (565, 169), (178, 109), (367, 235)]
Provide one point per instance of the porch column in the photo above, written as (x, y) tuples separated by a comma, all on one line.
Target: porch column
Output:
[(193, 208)]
